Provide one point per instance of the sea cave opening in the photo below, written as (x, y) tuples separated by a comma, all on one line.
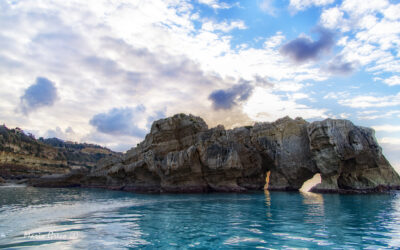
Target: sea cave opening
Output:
[(310, 183)]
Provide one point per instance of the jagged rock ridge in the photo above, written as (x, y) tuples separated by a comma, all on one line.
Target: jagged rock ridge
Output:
[(181, 154)]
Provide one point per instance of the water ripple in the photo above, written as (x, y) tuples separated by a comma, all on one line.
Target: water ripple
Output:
[(97, 219)]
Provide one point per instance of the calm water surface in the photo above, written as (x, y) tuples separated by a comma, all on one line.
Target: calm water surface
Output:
[(98, 219)]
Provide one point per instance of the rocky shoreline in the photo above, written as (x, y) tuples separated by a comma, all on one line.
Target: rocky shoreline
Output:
[(181, 154)]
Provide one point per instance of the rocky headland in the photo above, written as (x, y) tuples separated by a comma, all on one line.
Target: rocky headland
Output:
[(181, 154)]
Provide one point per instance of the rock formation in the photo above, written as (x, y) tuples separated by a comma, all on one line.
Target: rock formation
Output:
[(349, 157), (180, 154), (24, 157)]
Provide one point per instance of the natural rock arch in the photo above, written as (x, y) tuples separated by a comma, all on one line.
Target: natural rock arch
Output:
[(181, 154)]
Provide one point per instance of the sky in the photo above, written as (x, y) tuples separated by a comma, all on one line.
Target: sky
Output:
[(101, 71)]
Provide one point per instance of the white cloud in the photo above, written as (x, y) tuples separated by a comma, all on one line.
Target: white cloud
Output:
[(264, 105), (267, 6), (361, 7), (336, 95), (367, 112), (223, 26), (288, 86), (390, 140), (215, 4), (371, 33), (391, 149), (103, 56), (392, 12), (387, 128), (332, 18), (274, 41), (393, 80), (298, 96), (344, 115), (66, 134), (374, 114), (297, 5), (368, 101)]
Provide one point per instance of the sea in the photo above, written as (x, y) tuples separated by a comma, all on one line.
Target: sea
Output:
[(75, 218)]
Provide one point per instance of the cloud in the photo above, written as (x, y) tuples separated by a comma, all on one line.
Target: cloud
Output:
[(223, 26), (391, 148), (296, 5), (264, 105), (393, 80), (274, 41), (226, 99), (360, 7), (372, 33), (119, 121), (288, 86), (268, 7), (332, 18), (336, 95), (303, 49), (375, 114), (387, 128), (162, 59), (215, 4), (41, 93), (339, 66), (368, 101), (390, 140), (67, 134)]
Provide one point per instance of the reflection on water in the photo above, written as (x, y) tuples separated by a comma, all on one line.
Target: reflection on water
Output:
[(91, 219), (267, 198), (312, 198), (314, 207), (268, 203)]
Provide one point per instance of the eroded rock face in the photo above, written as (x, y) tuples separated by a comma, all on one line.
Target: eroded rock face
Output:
[(349, 157), (286, 143), (181, 154)]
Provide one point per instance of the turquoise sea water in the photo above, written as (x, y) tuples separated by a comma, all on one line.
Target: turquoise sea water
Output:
[(101, 219)]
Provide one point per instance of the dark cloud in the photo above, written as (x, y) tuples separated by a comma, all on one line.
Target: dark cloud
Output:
[(303, 49), (41, 93), (227, 98), (340, 67), (119, 121)]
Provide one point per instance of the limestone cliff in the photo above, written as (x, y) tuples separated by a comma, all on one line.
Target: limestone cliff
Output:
[(181, 154), (24, 157)]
